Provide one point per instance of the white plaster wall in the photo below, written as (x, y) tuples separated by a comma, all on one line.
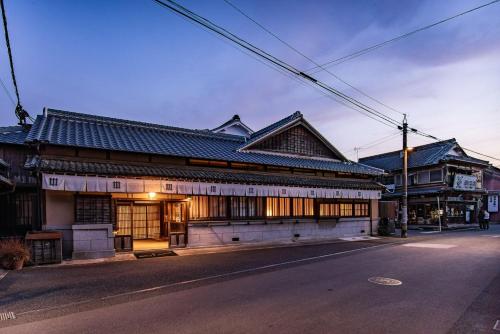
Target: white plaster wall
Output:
[(267, 232), (59, 208), (60, 216)]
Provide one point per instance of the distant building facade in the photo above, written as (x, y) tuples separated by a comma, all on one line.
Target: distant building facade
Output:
[(444, 183), (492, 185), (108, 183)]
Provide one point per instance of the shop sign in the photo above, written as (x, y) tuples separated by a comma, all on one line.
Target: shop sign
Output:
[(492, 203), (464, 182)]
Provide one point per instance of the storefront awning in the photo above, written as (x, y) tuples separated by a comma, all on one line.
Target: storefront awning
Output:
[(84, 183)]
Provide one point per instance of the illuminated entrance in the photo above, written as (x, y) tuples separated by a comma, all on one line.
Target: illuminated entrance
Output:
[(151, 224)]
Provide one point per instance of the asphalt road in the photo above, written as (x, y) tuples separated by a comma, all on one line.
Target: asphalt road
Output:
[(450, 283)]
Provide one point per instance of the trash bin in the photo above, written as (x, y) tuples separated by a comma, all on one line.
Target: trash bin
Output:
[(45, 247)]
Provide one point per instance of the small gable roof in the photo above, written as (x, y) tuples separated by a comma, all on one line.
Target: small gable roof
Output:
[(234, 123), (58, 127), (421, 156), (286, 123)]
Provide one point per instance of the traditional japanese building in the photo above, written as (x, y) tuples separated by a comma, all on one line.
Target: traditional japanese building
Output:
[(19, 209), (443, 182), (110, 184)]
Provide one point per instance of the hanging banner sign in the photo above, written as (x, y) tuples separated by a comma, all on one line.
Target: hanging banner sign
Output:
[(492, 203), (169, 187), (96, 184), (116, 185), (75, 183), (123, 185), (135, 185), (53, 182), (152, 186)]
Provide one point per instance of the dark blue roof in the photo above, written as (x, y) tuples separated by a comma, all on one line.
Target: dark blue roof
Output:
[(270, 128), (13, 135), (82, 130), (421, 156)]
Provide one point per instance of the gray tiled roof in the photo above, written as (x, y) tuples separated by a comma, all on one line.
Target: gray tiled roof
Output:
[(420, 156), (83, 130), (12, 135), (270, 128), (193, 173)]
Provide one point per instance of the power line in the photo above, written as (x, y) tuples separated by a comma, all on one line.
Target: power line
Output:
[(397, 38), (373, 143), (20, 112), (177, 8), (309, 58), (184, 12), (384, 139), (11, 98)]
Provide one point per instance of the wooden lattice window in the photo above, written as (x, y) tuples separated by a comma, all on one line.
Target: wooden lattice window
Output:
[(25, 204), (93, 210)]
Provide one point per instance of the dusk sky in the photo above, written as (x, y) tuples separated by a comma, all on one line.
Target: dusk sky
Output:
[(137, 60)]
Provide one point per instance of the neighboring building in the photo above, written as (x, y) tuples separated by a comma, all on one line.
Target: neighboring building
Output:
[(18, 188), (105, 181), (234, 127), (492, 185), (440, 170)]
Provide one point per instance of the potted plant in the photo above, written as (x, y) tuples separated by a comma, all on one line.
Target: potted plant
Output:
[(13, 254)]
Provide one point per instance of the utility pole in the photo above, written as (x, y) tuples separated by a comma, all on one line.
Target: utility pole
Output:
[(357, 153), (404, 218)]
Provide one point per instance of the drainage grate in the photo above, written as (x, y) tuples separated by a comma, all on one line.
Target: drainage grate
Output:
[(385, 281), (7, 316)]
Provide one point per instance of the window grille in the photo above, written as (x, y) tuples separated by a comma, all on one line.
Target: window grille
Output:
[(93, 210)]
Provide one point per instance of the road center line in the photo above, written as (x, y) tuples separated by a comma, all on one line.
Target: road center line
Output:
[(233, 273)]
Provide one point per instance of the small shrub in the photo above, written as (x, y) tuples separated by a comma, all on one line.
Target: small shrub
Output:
[(13, 253)]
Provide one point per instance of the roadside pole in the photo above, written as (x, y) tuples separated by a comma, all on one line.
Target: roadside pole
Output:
[(404, 218), (439, 214)]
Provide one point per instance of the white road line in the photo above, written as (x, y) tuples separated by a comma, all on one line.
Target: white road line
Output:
[(429, 232), (359, 238), (3, 273), (233, 273), (497, 326), (424, 245)]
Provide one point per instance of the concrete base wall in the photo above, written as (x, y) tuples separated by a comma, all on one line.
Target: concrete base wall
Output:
[(213, 234), (93, 241)]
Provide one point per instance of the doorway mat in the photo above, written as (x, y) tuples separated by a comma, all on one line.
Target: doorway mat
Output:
[(154, 253)]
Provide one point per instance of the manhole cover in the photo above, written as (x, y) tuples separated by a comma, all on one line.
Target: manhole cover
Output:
[(385, 281), (7, 316)]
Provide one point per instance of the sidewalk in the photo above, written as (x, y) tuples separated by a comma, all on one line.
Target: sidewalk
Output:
[(450, 227)]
